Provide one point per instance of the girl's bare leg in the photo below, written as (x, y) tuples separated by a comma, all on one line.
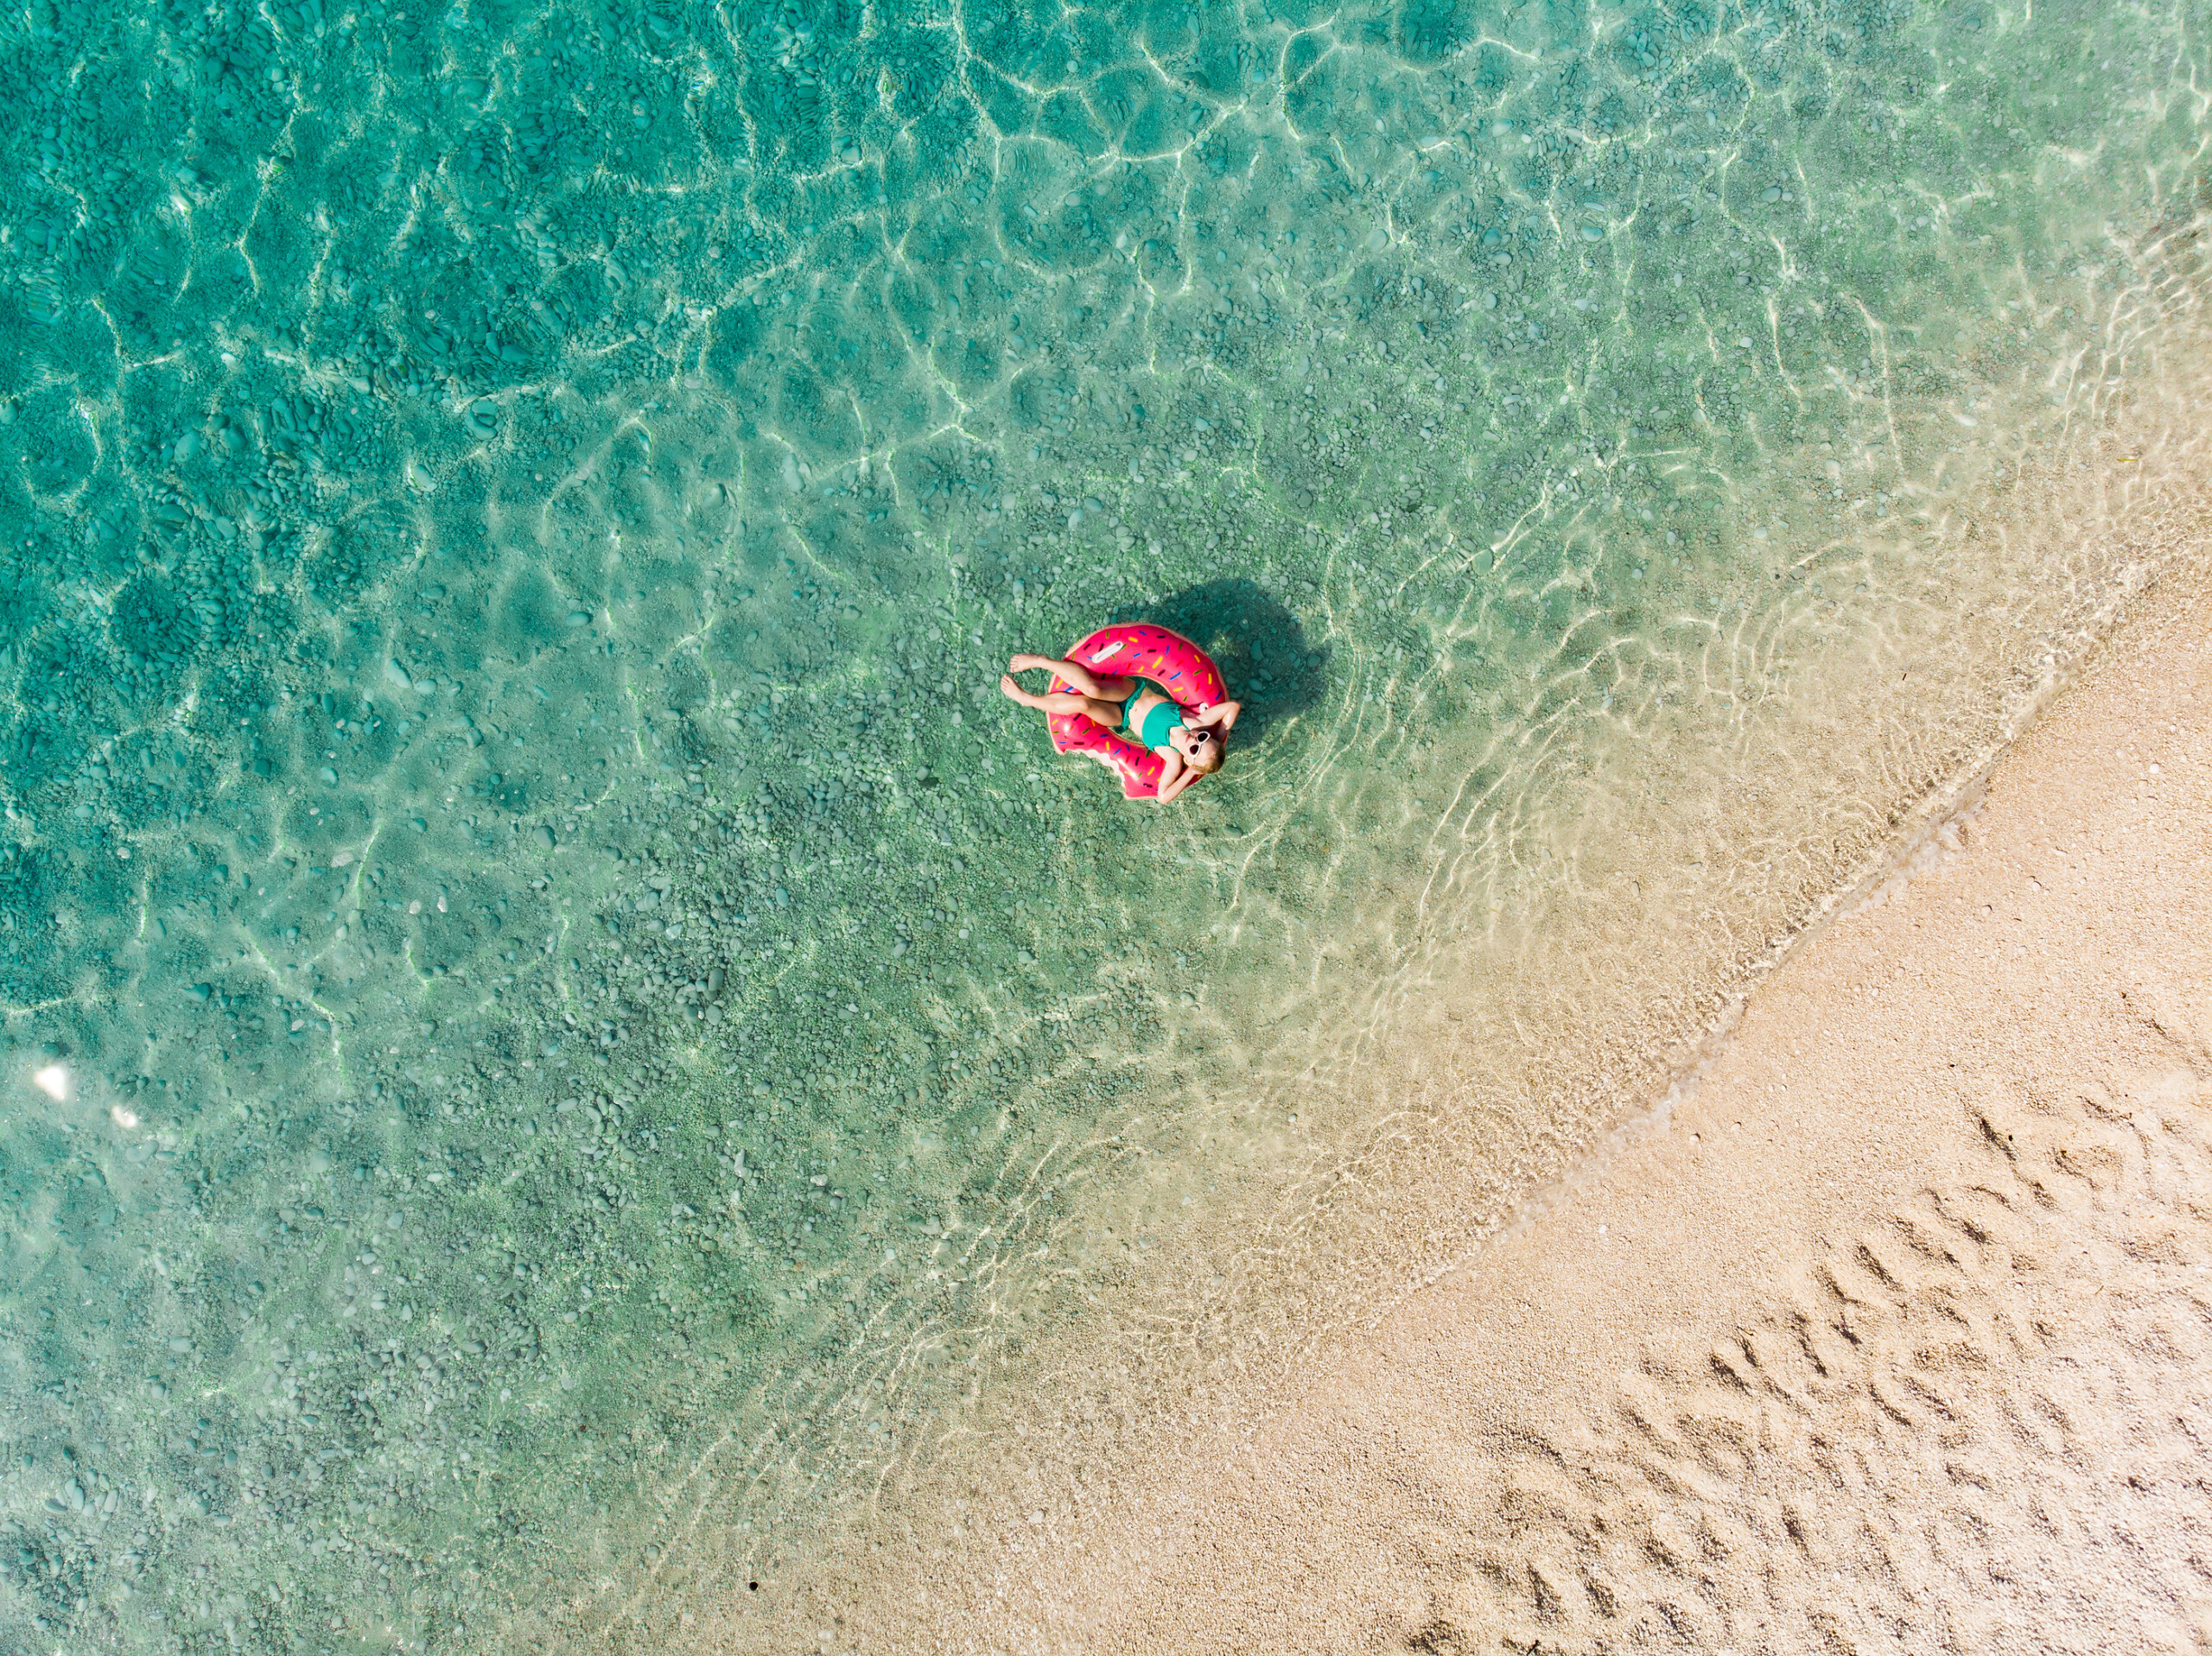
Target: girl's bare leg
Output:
[(1107, 714), (1081, 677)]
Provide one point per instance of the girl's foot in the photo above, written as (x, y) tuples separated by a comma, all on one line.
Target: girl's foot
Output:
[(1013, 692)]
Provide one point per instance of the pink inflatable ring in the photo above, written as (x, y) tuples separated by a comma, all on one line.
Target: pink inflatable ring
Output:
[(1134, 650)]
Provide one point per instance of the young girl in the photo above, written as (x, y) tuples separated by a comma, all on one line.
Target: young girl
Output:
[(1189, 742)]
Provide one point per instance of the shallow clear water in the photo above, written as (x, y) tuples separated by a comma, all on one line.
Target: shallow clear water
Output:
[(571, 1064)]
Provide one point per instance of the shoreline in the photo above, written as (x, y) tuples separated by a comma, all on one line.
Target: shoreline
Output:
[(1393, 1503), (1062, 1507)]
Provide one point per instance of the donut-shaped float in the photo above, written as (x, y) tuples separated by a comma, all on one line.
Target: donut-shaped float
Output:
[(1134, 650)]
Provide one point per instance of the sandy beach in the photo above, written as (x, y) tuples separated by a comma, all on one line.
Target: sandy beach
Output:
[(1886, 1332)]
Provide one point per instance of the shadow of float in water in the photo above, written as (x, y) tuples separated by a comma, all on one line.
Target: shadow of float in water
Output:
[(1257, 643)]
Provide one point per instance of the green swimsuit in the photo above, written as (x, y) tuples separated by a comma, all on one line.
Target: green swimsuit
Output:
[(1164, 717)]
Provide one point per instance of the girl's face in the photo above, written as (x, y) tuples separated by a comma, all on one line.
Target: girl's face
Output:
[(1202, 747)]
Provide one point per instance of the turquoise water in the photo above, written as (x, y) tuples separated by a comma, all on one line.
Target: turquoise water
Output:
[(574, 1071)]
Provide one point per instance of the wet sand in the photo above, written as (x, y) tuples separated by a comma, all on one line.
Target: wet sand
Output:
[(1887, 1332)]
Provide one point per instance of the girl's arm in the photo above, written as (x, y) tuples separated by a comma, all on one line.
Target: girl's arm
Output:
[(1175, 775), (1219, 713)]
